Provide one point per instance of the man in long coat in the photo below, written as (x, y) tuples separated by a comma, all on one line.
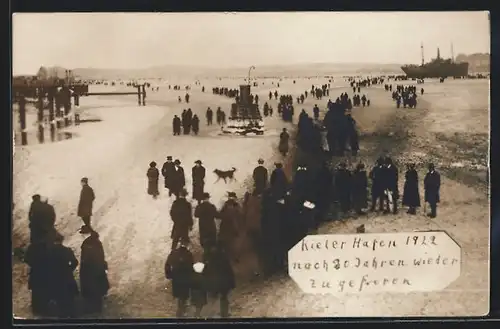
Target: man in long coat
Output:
[(179, 269), (209, 116), (198, 176), (411, 194), (94, 282), (176, 125), (278, 182), (181, 215), (40, 276), (231, 226), (260, 178), (178, 179), (221, 278), (63, 284), (85, 204), (432, 184), (206, 213), (168, 171), (42, 217)]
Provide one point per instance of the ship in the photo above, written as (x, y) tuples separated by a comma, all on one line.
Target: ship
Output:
[(436, 68)]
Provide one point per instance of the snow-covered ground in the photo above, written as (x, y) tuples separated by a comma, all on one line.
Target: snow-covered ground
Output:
[(135, 229)]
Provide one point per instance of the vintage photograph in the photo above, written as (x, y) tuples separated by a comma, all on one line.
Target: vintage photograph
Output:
[(250, 165)]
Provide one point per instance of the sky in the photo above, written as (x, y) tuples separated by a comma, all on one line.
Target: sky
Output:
[(140, 40)]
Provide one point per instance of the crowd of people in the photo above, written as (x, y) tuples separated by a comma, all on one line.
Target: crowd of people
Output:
[(53, 287), (187, 123), (405, 94)]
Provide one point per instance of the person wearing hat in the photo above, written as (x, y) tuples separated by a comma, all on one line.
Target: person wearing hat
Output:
[(411, 194), (85, 204), (63, 263), (94, 282), (179, 269), (206, 213), (153, 176), (168, 172), (178, 179), (260, 178), (283, 144), (37, 217), (360, 188), (343, 187), (181, 215), (432, 184), (198, 177), (231, 226), (278, 182), (198, 288)]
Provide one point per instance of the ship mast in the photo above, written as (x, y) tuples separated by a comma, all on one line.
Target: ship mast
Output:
[(422, 52)]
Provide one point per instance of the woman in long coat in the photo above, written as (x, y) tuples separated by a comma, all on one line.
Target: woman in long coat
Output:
[(94, 282), (411, 195), (153, 176)]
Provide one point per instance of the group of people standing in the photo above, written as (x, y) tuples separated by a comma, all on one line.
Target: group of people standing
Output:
[(54, 290), (188, 122), (220, 116)]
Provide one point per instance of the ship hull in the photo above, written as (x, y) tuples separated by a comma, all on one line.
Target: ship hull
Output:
[(437, 71)]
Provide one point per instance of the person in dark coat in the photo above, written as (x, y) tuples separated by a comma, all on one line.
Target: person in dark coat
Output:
[(94, 282), (231, 226), (36, 218), (378, 184), (168, 172), (283, 144), (391, 183), (206, 213), (63, 284), (279, 182), (41, 218), (260, 178), (37, 257), (343, 187), (176, 124), (360, 189), (432, 184), (198, 176), (195, 124), (316, 112), (411, 194), (198, 288), (153, 175), (181, 215), (210, 116), (178, 179), (87, 198), (220, 276), (179, 269)]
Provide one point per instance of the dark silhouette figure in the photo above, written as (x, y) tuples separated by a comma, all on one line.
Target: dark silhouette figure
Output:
[(87, 198), (153, 176)]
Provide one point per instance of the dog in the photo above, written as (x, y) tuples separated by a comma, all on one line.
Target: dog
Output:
[(225, 175)]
